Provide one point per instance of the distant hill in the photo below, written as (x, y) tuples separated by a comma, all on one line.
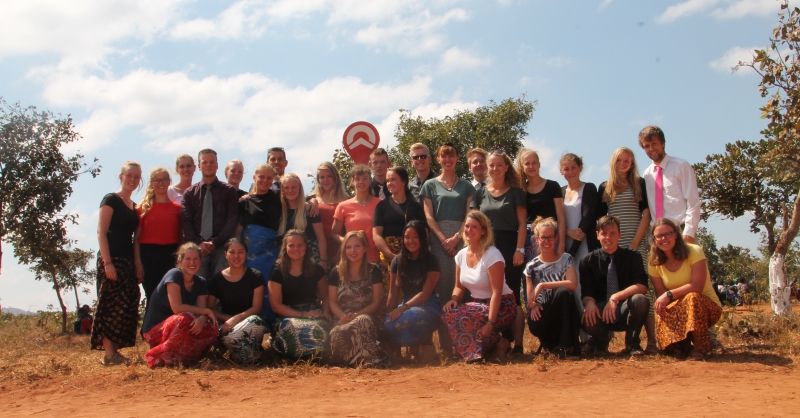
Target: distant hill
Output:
[(16, 311)]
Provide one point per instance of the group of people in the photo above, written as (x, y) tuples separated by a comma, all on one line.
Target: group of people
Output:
[(355, 280)]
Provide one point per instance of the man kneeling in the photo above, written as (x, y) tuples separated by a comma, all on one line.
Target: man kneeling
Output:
[(613, 285)]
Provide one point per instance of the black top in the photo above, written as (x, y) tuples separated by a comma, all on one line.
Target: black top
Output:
[(412, 280), (235, 297), (299, 290), (373, 272), (594, 272), (158, 309), (602, 208), (589, 202), (310, 221), (225, 208), (124, 221), (416, 183), (393, 217), (541, 204), (261, 209)]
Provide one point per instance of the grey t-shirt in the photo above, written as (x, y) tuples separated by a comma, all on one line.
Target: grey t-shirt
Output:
[(448, 204), (501, 210)]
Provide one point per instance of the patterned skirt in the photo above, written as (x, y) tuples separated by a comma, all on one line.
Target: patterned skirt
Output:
[(117, 311), (172, 344), (694, 313), (416, 325), (465, 321), (301, 337), (356, 343), (244, 341)]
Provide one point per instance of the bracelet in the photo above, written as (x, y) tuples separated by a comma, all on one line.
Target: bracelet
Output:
[(670, 295)]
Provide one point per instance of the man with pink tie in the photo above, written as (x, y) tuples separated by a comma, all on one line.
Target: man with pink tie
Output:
[(671, 184)]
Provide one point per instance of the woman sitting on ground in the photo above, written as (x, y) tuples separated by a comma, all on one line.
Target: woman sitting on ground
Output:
[(686, 305), (178, 324), (355, 297), (413, 307), (475, 326), (296, 290), (550, 281), (240, 292)]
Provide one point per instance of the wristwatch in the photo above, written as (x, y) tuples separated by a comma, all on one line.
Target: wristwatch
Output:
[(520, 250)]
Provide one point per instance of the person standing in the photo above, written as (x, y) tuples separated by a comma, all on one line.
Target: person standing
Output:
[(671, 185), (117, 312), (420, 157), (476, 159), (328, 192), (379, 164), (184, 166), (210, 214), (234, 172), (276, 157)]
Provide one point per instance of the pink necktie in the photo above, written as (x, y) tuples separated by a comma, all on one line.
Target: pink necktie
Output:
[(659, 192)]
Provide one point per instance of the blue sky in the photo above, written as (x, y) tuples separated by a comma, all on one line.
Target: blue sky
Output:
[(148, 80)]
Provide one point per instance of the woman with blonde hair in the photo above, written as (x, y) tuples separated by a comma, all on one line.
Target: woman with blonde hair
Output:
[(178, 324), (295, 215), (159, 232), (355, 298), (624, 196), (543, 197), (184, 166), (328, 192), (117, 312), (475, 325)]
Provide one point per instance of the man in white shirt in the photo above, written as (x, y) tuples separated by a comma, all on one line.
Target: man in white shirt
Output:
[(671, 184)]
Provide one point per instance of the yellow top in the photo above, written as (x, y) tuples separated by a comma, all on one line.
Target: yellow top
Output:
[(682, 276)]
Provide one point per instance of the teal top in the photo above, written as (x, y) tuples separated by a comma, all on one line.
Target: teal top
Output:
[(448, 204)]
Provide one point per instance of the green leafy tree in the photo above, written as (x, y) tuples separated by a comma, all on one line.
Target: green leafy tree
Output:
[(709, 243), (778, 65), (494, 126), (35, 177)]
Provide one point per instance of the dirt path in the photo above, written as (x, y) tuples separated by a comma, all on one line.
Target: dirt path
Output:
[(616, 387)]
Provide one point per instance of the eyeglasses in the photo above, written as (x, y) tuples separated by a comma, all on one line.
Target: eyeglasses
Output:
[(661, 237), (419, 157)]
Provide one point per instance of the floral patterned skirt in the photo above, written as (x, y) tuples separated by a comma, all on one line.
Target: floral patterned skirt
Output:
[(172, 344), (416, 325), (465, 321), (692, 314), (117, 311), (301, 337), (244, 341), (356, 343)]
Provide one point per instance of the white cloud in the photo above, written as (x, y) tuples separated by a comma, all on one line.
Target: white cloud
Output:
[(742, 8), (731, 58), (685, 8), (243, 19), (244, 112), (457, 59), (604, 4), (80, 31)]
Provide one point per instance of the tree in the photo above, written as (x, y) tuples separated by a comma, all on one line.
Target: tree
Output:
[(778, 65), (494, 126), (35, 177), (709, 243), (741, 181)]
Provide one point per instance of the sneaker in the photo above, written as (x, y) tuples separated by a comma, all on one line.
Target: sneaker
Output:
[(635, 352)]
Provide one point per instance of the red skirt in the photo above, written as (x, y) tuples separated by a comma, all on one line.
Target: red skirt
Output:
[(172, 344)]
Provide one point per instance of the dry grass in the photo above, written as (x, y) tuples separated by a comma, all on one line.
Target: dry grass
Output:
[(32, 349)]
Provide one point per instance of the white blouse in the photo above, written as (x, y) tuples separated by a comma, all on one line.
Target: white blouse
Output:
[(476, 279)]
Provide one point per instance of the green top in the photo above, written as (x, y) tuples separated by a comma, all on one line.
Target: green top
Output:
[(448, 204)]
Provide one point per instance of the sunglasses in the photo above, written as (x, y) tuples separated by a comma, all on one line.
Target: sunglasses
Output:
[(419, 157)]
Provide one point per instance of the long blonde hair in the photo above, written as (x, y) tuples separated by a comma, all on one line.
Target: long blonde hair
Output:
[(344, 264), (150, 194), (339, 193), (617, 184), (519, 165), (300, 202)]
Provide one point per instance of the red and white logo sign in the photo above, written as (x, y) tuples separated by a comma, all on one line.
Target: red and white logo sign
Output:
[(360, 139)]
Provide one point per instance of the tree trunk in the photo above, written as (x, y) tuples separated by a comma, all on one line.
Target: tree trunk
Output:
[(77, 301), (779, 288), (57, 288)]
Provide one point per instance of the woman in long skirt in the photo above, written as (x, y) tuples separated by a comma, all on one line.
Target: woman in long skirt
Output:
[(117, 311), (297, 290)]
